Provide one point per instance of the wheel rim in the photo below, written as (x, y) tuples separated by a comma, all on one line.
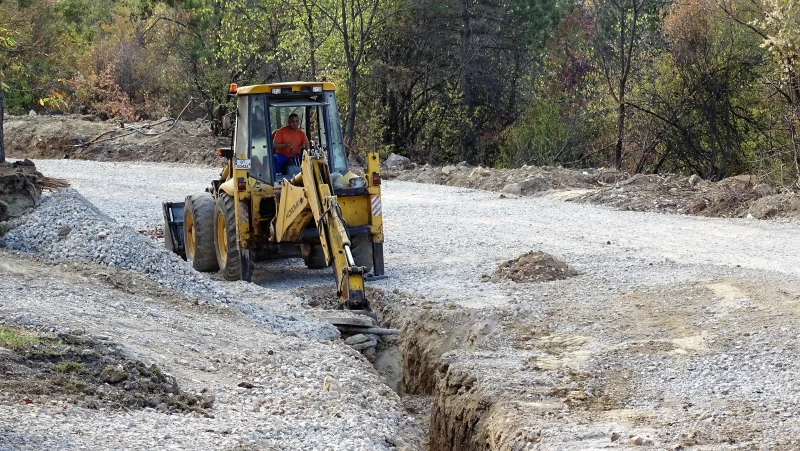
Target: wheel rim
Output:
[(222, 241), (189, 226)]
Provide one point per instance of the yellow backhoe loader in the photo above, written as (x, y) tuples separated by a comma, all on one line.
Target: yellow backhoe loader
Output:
[(263, 207)]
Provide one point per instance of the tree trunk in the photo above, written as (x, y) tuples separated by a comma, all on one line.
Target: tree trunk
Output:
[(2, 113), (470, 139), (620, 135), (352, 97)]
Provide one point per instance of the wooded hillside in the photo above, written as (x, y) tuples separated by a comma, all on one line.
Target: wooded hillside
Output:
[(708, 87)]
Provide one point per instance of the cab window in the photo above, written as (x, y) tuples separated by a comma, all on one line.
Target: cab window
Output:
[(260, 162)]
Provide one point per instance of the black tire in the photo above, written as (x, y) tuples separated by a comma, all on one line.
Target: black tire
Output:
[(198, 232), (361, 248), (313, 256), (233, 262)]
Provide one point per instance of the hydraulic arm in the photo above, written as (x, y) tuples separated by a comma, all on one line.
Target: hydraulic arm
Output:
[(310, 193)]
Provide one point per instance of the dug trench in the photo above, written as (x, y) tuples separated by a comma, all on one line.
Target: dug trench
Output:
[(458, 371), (478, 379), (455, 357)]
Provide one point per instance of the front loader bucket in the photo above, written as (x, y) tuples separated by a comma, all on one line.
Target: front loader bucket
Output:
[(173, 227)]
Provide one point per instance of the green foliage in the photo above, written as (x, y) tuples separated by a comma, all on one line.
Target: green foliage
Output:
[(16, 339), (156, 370), (537, 138), (502, 83), (68, 366)]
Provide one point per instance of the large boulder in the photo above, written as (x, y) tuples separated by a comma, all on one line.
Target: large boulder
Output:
[(397, 162)]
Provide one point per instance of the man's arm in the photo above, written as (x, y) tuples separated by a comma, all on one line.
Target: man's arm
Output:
[(276, 137)]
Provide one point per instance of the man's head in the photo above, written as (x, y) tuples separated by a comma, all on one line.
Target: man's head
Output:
[(294, 121)]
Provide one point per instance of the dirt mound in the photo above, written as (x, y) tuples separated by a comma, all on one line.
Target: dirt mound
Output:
[(87, 138), (734, 197), (534, 266), (81, 370), (21, 186), (527, 180)]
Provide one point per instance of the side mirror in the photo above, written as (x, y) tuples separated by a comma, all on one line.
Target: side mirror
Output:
[(226, 125)]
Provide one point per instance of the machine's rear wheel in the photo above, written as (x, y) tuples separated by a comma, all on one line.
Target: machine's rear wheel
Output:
[(233, 262), (198, 227), (361, 248), (313, 256)]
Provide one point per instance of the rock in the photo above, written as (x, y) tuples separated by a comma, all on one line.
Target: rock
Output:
[(462, 165), (694, 180), (153, 401), (397, 162), (530, 185), (447, 170), (31, 113), (364, 345), (513, 188), (615, 436), (208, 401), (355, 339), (113, 374), (763, 189), (537, 183), (480, 172), (331, 384)]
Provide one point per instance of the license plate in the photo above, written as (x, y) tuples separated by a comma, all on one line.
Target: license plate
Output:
[(242, 164)]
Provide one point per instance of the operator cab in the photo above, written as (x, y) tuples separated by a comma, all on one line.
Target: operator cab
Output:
[(263, 109)]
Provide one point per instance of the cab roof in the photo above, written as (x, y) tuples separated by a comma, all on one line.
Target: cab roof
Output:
[(295, 86)]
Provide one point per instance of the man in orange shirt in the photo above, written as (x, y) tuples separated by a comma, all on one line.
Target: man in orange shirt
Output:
[(288, 142)]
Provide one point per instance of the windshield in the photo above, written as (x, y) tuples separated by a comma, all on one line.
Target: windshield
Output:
[(337, 156), (260, 161), (273, 156)]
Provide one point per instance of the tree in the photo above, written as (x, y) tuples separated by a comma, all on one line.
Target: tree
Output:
[(6, 44), (356, 24), (702, 89), (2, 120), (776, 23), (621, 28)]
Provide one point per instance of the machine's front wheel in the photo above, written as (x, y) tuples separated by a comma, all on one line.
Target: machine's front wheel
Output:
[(234, 263), (313, 256), (198, 226)]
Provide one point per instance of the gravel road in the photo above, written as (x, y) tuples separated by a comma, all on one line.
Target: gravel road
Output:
[(440, 240), (685, 325)]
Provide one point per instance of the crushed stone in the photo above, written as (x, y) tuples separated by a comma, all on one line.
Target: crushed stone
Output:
[(67, 227)]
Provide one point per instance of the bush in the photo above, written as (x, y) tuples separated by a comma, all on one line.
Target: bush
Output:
[(536, 138)]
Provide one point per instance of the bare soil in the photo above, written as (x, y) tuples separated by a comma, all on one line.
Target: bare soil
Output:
[(88, 138), (21, 186), (533, 266), (740, 196), (77, 369), (18, 189)]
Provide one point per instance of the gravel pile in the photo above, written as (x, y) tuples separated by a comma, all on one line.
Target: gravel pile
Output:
[(270, 391), (66, 227)]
